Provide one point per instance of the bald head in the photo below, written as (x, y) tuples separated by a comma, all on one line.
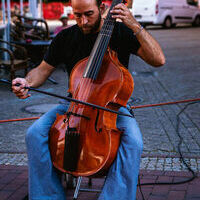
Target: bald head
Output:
[(77, 4), (98, 2), (87, 14)]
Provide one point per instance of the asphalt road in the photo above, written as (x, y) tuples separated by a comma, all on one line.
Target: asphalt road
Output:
[(177, 80)]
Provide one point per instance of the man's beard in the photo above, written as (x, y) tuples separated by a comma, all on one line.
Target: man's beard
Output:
[(94, 28)]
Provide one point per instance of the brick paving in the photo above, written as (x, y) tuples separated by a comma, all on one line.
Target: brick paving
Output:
[(147, 163), (14, 186)]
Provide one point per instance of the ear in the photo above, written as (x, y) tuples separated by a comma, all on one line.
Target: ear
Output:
[(102, 8)]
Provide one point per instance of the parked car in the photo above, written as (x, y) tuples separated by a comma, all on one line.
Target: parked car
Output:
[(166, 12)]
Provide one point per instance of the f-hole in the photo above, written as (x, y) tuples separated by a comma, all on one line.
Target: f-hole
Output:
[(96, 123)]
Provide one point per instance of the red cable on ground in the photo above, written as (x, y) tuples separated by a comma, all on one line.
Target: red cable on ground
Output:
[(132, 107), (21, 119), (165, 103)]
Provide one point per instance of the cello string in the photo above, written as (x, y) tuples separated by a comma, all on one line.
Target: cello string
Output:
[(109, 25), (90, 74), (74, 106), (85, 81), (106, 29), (105, 37), (104, 46), (101, 48), (95, 62), (85, 84), (97, 55)]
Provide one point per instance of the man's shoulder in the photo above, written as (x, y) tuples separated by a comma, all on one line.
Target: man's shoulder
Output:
[(67, 35), (71, 29)]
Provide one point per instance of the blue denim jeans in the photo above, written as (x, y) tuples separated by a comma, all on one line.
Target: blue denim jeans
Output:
[(121, 181)]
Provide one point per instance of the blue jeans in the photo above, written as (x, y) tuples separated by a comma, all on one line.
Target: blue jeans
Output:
[(121, 181)]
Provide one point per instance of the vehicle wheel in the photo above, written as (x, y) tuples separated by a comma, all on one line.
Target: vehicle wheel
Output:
[(196, 21), (173, 25), (167, 23)]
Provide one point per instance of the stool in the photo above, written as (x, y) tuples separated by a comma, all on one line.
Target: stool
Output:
[(78, 188)]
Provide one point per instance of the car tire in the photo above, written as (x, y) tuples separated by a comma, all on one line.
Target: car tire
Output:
[(173, 25), (196, 21), (167, 23)]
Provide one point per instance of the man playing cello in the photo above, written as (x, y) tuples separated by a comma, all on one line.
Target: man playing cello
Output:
[(69, 47)]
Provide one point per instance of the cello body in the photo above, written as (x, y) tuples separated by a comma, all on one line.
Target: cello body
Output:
[(84, 141), (97, 136)]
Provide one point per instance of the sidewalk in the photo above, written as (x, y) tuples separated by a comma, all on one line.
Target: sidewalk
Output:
[(14, 186)]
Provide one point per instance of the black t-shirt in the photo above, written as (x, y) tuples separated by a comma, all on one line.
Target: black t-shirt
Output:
[(71, 45)]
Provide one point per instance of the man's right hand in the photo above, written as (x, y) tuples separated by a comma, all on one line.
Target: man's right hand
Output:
[(19, 91)]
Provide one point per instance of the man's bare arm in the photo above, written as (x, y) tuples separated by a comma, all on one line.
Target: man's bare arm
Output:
[(35, 78), (150, 51), (39, 75)]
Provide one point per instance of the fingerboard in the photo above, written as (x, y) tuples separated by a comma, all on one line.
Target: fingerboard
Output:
[(100, 46)]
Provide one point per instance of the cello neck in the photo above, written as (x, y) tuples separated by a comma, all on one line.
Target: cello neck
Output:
[(100, 46)]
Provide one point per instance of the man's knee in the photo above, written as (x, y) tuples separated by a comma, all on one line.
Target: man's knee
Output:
[(133, 139), (32, 135), (139, 144)]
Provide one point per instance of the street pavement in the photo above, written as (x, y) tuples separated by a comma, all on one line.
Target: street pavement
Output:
[(177, 80)]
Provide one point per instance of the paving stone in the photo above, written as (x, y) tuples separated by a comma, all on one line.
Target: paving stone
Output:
[(146, 193), (179, 195), (5, 194), (157, 198)]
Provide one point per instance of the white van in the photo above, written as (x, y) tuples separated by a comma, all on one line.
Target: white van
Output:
[(167, 12)]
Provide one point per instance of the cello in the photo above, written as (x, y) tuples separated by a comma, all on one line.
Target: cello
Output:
[(84, 141)]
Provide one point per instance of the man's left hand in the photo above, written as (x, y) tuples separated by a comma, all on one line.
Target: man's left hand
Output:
[(120, 11)]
